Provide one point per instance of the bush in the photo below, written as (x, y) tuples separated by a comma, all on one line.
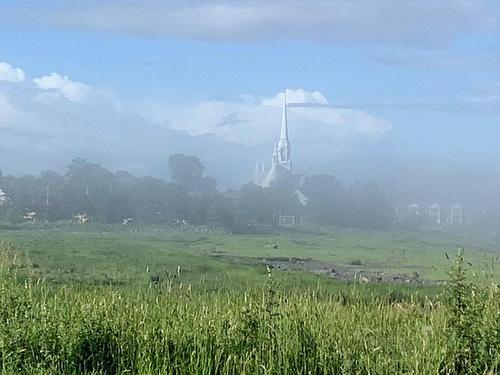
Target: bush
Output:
[(473, 324)]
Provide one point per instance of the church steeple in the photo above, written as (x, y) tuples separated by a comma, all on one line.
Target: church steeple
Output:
[(284, 120), (283, 150), (281, 168)]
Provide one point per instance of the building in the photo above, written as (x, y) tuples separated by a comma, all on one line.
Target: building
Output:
[(455, 214), (4, 199), (280, 175), (435, 213), (281, 164)]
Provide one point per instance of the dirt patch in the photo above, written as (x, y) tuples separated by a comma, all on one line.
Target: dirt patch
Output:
[(335, 271), (342, 272)]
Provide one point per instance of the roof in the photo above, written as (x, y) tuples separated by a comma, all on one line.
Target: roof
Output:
[(301, 197), (277, 173)]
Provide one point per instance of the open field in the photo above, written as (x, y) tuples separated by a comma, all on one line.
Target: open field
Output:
[(150, 302), (122, 257)]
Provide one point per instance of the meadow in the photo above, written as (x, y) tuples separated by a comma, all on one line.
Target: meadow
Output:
[(158, 301), (104, 255)]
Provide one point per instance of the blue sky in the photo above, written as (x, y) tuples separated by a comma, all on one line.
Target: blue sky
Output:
[(396, 80)]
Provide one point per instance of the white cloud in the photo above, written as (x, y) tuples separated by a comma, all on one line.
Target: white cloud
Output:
[(252, 122), (10, 74), (416, 23), (62, 85), (298, 96)]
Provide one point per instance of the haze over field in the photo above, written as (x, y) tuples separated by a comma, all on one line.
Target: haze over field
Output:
[(408, 96), (249, 187)]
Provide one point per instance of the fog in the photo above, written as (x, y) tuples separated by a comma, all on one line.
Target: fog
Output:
[(406, 98)]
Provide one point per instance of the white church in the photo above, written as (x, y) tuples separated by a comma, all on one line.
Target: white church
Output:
[(281, 171)]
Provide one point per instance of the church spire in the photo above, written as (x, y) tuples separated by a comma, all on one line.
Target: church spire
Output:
[(284, 120), (283, 143)]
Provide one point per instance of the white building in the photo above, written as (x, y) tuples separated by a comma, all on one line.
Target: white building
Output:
[(281, 171), (3, 198), (456, 214), (435, 213)]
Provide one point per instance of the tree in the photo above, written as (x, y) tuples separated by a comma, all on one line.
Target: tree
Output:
[(212, 209), (255, 205), (328, 202), (372, 208), (87, 189), (185, 170)]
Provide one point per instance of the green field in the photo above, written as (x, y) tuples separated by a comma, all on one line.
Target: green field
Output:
[(122, 257), (165, 302)]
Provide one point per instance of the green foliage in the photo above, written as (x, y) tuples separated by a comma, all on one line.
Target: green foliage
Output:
[(255, 205), (360, 206), (169, 328), (187, 171), (89, 306), (103, 332), (473, 324), (107, 197), (192, 198)]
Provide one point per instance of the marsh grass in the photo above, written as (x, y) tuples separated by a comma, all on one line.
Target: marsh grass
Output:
[(170, 328)]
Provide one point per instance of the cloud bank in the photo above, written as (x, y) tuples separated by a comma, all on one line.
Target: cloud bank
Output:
[(413, 23), (48, 120), (252, 120)]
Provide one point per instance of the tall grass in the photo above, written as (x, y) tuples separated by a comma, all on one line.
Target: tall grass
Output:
[(171, 329)]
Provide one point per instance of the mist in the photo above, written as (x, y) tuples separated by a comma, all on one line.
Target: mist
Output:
[(224, 187)]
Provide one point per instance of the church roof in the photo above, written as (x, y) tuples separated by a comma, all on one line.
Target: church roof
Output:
[(277, 174)]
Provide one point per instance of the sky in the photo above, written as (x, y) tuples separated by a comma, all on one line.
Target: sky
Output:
[(376, 88)]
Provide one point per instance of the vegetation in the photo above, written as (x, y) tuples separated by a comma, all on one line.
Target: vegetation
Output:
[(172, 328), (158, 302), (119, 255), (89, 192)]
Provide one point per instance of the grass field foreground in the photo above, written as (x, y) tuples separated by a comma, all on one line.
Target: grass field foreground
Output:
[(169, 328)]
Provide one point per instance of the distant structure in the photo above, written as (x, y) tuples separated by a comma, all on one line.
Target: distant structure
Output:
[(281, 172), (281, 177), (413, 210), (4, 199), (435, 213), (456, 214), (281, 165)]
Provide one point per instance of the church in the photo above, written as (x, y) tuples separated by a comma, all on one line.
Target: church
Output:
[(281, 172)]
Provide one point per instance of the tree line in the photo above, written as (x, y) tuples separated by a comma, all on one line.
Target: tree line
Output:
[(189, 197)]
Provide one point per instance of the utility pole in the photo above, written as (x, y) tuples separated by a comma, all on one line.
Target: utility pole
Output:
[(86, 187), (47, 195)]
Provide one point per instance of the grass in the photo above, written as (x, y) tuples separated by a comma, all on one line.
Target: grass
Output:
[(122, 257), (82, 302)]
